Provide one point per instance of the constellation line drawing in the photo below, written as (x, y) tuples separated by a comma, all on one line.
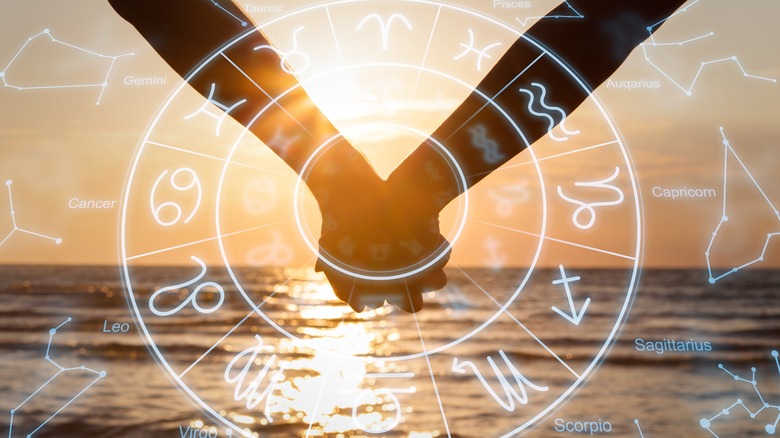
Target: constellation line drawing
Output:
[(688, 90), (16, 228), (724, 216), (771, 428), (576, 15), (636, 422), (243, 23), (60, 370), (47, 34)]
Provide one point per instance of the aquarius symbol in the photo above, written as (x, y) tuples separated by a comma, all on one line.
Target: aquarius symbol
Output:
[(508, 196), (384, 25), (481, 54), (591, 207), (226, 109), (285, 56), (543, 94), (193, 298), (491, 153)]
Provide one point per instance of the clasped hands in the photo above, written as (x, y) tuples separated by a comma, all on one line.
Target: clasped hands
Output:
[(380, 240)]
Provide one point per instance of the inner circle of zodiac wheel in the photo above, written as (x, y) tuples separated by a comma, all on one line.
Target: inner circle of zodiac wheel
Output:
[(250, 333)]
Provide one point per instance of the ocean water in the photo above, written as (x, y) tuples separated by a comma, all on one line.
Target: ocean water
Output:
[(668, 393)]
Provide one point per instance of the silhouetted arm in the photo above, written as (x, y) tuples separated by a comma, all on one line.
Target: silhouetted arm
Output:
[(594, 47), (186, 32), (359, 221)]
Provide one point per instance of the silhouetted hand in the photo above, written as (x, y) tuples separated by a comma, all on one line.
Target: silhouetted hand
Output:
[(377, 244), (378, 237)]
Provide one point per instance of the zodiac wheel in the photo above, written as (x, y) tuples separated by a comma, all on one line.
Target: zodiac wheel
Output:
[(218, 240)]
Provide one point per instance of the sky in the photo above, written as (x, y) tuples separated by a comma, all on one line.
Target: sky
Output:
[(57, 146)]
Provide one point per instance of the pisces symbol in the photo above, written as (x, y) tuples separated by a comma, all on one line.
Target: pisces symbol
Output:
[(470, 48), (490, 149), (551, 109)]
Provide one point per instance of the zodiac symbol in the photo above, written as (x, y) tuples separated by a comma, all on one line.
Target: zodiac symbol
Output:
[(412, 246), (275, 253), (280, 143), (495, 259), (543, 94), (387, 393), (157, 210), (432, 171), (225, 109), (384, 25), (575, 317), (193, 297), (490, 149), (591, 207), (347, 246), (248, 392), (285, 56), (380, 253), (260, 195), (508, 196), (469, 48), (511, 394)]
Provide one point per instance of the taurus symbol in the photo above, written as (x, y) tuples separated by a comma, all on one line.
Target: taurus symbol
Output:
[(285, 56)]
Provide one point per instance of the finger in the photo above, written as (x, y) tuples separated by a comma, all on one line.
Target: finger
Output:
[(434, 281)]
